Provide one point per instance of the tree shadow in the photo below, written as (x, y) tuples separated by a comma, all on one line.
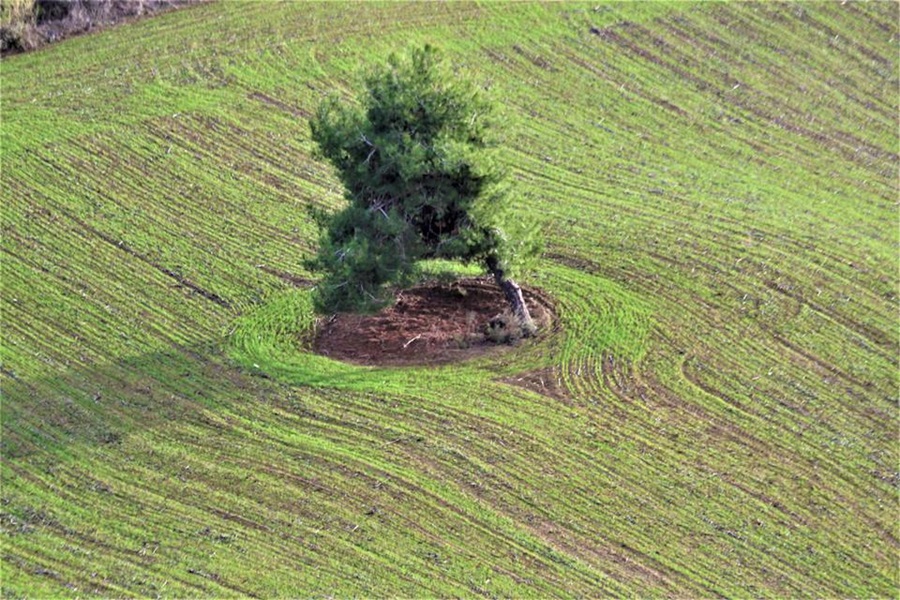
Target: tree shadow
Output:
[(100, 404)]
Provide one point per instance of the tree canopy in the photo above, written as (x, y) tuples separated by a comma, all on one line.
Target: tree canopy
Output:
[(416, 156)]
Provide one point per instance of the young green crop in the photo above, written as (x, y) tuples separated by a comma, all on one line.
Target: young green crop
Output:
[(712, 414)]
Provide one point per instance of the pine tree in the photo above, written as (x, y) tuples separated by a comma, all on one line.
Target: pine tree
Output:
[(417, 160)]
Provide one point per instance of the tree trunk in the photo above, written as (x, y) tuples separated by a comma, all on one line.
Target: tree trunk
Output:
[(513, 294)]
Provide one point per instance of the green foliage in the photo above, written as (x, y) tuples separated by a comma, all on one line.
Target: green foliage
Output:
[(713, 415), (416, 158)]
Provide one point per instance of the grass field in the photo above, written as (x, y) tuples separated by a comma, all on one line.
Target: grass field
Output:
[(715, 413)]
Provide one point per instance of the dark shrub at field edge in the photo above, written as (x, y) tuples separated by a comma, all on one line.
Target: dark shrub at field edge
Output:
[(29, 24)]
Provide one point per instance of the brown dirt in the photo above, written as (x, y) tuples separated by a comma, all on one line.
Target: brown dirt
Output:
[(428, 324), (546, 381)]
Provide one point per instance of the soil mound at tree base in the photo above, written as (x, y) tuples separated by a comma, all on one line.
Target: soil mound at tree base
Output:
[(428, 324)]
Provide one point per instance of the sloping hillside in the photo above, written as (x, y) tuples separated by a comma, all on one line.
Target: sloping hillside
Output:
[(715, 413)]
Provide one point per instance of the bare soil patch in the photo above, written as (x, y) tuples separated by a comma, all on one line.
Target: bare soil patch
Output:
[(429, 324), (546, 381)]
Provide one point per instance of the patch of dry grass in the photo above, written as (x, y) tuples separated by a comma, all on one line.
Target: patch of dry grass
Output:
[(29, 24)]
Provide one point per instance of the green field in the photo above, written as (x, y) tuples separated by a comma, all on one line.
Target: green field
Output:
[(713, 414)]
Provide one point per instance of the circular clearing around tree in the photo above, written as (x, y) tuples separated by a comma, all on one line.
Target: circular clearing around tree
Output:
[(434, 323)]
